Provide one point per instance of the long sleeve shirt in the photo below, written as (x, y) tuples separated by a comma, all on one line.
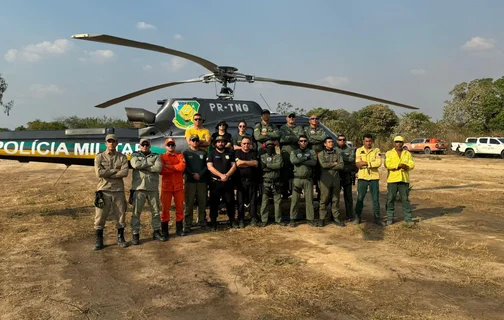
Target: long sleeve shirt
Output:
[(106, 165), (373, 159), (392, 161), (146, 169)]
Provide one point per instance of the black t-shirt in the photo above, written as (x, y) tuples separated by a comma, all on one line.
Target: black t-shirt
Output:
[(221, 161), (226, 135), (248, 172)]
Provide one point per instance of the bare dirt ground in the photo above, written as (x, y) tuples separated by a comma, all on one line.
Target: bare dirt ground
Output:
[(449, 266)]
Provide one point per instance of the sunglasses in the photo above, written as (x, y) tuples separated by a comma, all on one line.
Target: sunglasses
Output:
[(195, 140), (222, 125), (242, 126), (313, 118), (145, 144), (303, 141), (170, 144), (197, 119), (111, 141), (341, 139)]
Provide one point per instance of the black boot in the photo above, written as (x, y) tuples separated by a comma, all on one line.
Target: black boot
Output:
[(136, 239), (156, 235), (99, 240), (120, 238), (180, 228), (213, 225), (164, 230)]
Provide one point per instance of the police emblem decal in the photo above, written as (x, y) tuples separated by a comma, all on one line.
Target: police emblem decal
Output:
[(269, 158), (184, 113), (299, 155)]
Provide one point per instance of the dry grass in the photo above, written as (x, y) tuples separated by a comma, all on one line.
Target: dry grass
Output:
[(449, 266)]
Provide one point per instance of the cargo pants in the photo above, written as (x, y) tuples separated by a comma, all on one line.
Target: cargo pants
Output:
[(114, 206), (392, 189), (139, 199), (195, 191), (299, 184), (329, 192), (374, 189)]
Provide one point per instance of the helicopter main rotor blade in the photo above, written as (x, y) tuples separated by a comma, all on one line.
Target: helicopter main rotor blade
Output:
[(323, 88), (146, 46), (143, 91)]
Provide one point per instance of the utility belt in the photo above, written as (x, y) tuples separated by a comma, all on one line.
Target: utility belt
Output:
[(305, 178), (214, 179), (271, 181)]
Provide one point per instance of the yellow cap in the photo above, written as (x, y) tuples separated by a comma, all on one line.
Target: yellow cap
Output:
[(399, 138)]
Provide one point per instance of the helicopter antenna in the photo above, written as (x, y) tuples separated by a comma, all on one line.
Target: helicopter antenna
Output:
[(67, 166), (265, 101)]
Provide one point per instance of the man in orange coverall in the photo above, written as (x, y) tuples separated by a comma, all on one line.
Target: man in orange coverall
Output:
[(172, 185)]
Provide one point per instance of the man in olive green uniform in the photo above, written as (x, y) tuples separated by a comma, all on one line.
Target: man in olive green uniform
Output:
[(331, 162), (111, 167), (145, 186), (289, 136), (304, 160), (271, 164), (316, 135), (346, 175), (264, 131)]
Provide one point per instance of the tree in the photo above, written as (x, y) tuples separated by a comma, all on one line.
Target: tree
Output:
[(286, 108), (9, 105), (75, 122), (413, 125), (476, 105), (43, 125), (4, 129), (377, 119)]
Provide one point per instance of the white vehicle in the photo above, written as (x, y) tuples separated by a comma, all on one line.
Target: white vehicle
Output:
[(480, 146)]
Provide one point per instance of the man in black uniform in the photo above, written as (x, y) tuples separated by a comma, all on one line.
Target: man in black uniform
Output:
[(347, 174), (247, 182), (221, 164)]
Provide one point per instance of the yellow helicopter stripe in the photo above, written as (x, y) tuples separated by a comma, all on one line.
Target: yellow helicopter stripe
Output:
[(70, 156)]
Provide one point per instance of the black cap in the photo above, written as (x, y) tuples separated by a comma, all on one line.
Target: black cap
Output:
[(219, 138), (265, 111), (292, 115), (221, 122)]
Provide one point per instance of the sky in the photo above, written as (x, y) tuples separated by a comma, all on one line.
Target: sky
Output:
[(412, 52)]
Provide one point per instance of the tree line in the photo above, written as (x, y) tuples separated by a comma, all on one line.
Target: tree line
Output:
[(475, 108)]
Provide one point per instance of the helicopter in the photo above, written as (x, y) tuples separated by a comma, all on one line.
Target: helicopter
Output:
[(173, 117)]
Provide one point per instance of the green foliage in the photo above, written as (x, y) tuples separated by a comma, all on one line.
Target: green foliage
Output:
[(9, 105), (476, 105), (377, 119), (43, 125), (4, 129), (286, 108), (20, 128), (414, 125), (75, 122)]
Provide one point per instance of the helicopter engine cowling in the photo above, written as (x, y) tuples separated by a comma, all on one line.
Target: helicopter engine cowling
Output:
[(140, 115)]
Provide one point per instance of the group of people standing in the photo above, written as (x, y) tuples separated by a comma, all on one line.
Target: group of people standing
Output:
[(271, 163)]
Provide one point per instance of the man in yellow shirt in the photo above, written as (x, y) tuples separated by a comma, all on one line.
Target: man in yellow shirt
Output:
[(368, 160), (203, 133), (399, 162)]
